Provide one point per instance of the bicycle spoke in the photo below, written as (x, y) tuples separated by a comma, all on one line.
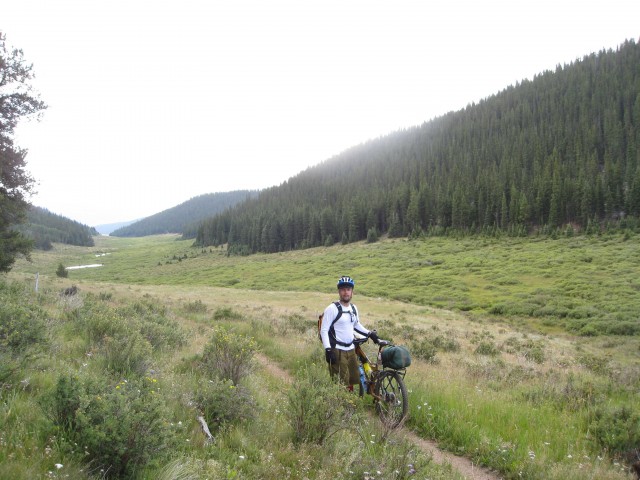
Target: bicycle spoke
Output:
[(393, 403)]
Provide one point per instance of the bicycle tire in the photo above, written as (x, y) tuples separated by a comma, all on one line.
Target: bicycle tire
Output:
[(393, 403)]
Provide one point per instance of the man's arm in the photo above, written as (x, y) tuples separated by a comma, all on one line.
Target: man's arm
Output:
[(329, 315)]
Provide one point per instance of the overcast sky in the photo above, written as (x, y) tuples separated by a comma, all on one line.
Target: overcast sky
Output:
[(154, 102)]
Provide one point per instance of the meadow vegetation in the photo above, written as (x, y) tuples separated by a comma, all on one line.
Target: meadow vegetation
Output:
[(526, 360)]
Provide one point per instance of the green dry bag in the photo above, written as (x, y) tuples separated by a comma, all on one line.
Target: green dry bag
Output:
[(396, 357)]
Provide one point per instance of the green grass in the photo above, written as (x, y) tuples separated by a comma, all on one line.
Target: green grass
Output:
[(547, 353), (583, 285)]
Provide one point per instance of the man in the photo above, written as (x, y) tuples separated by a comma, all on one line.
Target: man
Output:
[(339, 322)]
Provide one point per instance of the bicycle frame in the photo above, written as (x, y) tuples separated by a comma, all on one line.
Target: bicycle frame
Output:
[(385, 385), (371, 372)]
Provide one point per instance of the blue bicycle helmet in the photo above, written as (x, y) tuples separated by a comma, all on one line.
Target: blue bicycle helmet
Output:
[(346, 282)]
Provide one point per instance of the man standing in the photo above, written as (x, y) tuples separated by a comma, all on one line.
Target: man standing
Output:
[(339, 322)]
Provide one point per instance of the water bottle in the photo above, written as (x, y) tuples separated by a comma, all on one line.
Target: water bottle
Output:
[(363, 380)]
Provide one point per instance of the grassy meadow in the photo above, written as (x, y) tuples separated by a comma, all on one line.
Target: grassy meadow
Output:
[(526, 359)]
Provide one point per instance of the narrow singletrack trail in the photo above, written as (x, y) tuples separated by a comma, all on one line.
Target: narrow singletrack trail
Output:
[(462, 465)]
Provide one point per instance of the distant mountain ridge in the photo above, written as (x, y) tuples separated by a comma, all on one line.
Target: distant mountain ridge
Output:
[(184, 218), (107, 228)]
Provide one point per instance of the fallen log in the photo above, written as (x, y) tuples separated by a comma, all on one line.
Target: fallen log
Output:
[(205, 428)]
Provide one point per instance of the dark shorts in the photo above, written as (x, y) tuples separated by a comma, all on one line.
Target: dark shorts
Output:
[(346, 367)]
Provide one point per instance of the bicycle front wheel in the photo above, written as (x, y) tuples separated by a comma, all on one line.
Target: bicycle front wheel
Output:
[(393, 402)]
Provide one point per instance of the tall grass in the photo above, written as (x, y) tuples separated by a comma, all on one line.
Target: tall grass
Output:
[(532, 370), (73, 414), (583, 285)]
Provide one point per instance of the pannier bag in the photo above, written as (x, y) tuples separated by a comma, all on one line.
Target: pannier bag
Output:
[(396, 357)]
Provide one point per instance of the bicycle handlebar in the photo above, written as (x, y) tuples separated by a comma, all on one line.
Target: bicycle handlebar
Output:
[(381, 343)]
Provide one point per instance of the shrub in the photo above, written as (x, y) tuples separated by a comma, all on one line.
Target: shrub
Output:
[(486, 348), (228, 356), (226, 313), (105, 296), (196, 306), (127, 335), (221, 403), (534, 353), (121, 427), (616, 429), (577, 394), (22, 326), (297, 323), (153, 322), (447, 344), (98, 321), (318, 407), (127, 353), (425, 350), (64, 402), (595, 363), (159, 330), (23, 330)]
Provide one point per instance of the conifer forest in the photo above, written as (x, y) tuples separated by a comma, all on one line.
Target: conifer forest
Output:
[(555, 152)]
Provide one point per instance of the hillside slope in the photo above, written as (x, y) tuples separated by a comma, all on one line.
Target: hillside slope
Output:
[(45, 228), (561, 149)]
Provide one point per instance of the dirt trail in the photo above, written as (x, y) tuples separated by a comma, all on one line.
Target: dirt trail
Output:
[(462, 465)]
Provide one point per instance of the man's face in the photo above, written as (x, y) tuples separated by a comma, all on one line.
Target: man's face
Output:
[(345, 294)]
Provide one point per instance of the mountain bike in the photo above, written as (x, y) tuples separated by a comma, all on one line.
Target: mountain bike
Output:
[(385, 385)]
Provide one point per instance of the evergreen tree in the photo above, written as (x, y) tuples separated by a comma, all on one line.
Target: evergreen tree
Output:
[(16, 102)]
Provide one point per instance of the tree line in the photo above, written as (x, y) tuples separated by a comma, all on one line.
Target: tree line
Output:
[(558, 150), (46, 228)]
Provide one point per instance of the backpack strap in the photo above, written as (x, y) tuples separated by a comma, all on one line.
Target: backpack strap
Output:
[(332, 331)]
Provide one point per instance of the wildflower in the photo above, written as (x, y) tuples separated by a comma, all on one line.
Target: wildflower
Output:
[(241, 457), (569, 456), (59, 466)]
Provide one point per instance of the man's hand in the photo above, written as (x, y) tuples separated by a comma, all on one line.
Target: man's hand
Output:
[(373, 335), (329, 356)]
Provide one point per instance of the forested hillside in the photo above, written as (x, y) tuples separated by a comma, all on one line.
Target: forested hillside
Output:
[(558, 150), (185, 217), (46, 228)]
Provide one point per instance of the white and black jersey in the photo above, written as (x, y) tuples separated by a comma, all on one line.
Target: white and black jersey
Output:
[(339, 333)]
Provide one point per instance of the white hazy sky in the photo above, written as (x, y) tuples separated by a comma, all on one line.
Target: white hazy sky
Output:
[(154, 102)]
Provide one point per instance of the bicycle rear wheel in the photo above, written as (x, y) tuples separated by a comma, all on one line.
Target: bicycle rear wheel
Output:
[(393, 403)]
